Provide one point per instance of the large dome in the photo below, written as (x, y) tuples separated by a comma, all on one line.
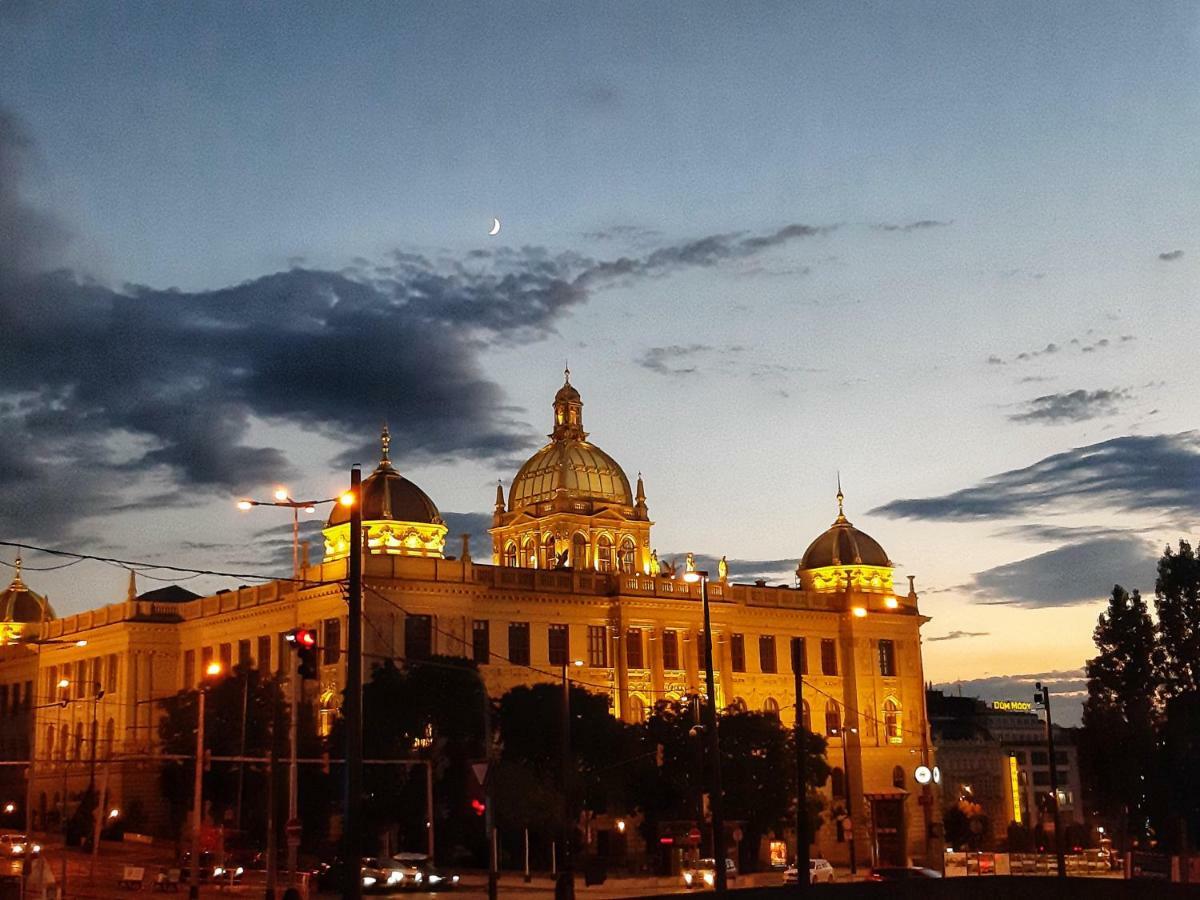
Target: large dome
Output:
[(19, 604), (570, 465), (389, 496), (844, 545)]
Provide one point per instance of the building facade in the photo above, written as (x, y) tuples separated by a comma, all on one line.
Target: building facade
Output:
[(572, 575)]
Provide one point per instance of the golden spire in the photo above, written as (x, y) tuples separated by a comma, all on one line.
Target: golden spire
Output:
[(566, 372), (131, 592), (499, 495), (17, 567), (385, 444), (841, 516)]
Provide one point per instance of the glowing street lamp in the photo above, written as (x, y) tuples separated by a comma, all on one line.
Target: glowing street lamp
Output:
[(212, 670)]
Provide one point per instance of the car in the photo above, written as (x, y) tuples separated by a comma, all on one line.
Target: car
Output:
[(419, 874), (902, 873), (703, 873), (819, 872), (18, 846), (207, 864)]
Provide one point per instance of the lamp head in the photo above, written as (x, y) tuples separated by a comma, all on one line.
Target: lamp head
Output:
[(64, 683), (860, 612), (281, 493), (695, 575), (347, 499), (245, 504), (212, 669)]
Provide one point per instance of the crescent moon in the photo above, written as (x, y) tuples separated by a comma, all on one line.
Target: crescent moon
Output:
[(495, 227)]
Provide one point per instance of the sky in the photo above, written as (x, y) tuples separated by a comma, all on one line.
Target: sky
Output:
[(946, 250)]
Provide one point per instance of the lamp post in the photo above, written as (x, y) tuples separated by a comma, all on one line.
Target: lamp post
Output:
[(213, 669), (799, 651), (844, 733), (62, 685), (284, 499), (566, 875), (1042, 696), (714, 742)]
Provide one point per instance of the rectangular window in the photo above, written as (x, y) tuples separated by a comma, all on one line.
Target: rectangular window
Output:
[(111, 677), (283, 650), (1060, 757), (1019, 756), (887, 658), (670, 650), (559, 639), (799, 657), (4, 700), (52, 684), (244, 653), (28, 696), (1041, 779), (518, 643), (828, 656), (737, 652), (1040, 758), (81, 678), (226, 657), (481, 642), (598, 646), (264, 653), (331, 642), (766, 654), (634, 649), (418, 637), (701, 652), (189, 671)]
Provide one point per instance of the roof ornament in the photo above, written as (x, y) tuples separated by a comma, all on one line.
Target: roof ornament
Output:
[(841, 516), (131, 592), (17, 568), (385, 445), (566, 372)]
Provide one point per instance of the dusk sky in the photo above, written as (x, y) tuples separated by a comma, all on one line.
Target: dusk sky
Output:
[(949, 250)]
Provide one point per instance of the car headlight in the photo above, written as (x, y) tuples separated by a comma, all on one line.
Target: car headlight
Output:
[(418, 877), (368, 880), (708, 878), (395, 877), (434, 879), (239, 870), (18, 849), (37, 848), (687, 877), (454, 879)]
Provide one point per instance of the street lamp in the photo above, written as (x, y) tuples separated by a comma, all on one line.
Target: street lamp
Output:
[(843, 732), (1042, 696), (211, 671), (566, 876), (284, 499), (714, 742)]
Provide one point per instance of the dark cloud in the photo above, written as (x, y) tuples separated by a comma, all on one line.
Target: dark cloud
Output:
[(1072, 406), (1170, 255), (1068, 689), (630, 234), (1053, 348), (676, 359), (958, 635), (1130, 473), (474, 524), (920, 225), (1082, 572), (775, 571)]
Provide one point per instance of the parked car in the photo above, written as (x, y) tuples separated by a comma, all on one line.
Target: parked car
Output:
[(703, 873), (902, 873), (18, 846), (419, 874), (819, 872)]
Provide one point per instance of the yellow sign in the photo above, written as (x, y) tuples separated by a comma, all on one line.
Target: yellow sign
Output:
[(1016, 789), (1012, 705)]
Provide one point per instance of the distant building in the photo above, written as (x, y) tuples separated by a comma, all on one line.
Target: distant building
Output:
[(995, 755), (571, 574)]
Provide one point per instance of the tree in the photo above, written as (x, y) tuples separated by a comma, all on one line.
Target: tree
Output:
[(966, 825), (1119, 716), (1177, 603)]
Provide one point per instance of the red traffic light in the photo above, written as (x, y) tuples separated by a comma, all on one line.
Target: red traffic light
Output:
[(479, 807), (304, 638)]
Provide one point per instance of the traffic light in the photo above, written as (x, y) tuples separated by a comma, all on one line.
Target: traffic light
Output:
[(304, 642), (478, 806), (658, 755)]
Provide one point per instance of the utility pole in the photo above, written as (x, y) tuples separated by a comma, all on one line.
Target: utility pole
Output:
[(295, 686), (566, 875), (1043, 696), (352, 821), (489, 815), (198, 788), (715, 805), (802, 863)]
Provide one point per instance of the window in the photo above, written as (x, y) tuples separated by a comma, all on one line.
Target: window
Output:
[(887, 658), (50, 742), (559, 644), (1019, 756), (891, 721), (637, 709), (549, 556), (771, 707), (264, 653), (670, 650), (4, 700), (604, 553), (529, 554), (701, 652), (828, 656), (481, 642), (510, 554), (737, 652), (418, 637), (806, 722), (331, 641), (1040, 758), (634, 649), (739, 705), (80, 681), (626, 554), (837, 783), (28, 695), (226, 657), (578, 552), (766, 654), (898, 777), (833, 718), (1060, 757), (518, 643), (283, 649), (244, 653), (189, 669), (1041, 779), (598, 646), (111, 677)]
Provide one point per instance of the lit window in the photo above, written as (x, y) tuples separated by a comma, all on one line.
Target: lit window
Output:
[(891, 721)]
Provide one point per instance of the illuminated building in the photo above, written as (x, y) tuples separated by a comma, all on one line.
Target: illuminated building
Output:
[(571, 574)]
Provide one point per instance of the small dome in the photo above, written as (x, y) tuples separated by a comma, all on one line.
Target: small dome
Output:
[(578, 467), (844, 545), (19, 604), (389, 496)]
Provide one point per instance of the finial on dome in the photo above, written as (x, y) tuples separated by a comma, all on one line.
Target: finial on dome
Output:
[(566, 372), (131, 591), (17, 568), (841, 516), (385, 445)]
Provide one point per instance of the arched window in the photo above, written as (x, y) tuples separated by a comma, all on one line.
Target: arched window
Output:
[(604, 553), (739, 704), (837, 783), (510, 554), (891, 721), (806, 721), (637, 708), (833, 718), (549, 557), (626, 555), (898, 777), (529, 554), (578, 552), (771, 707)]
